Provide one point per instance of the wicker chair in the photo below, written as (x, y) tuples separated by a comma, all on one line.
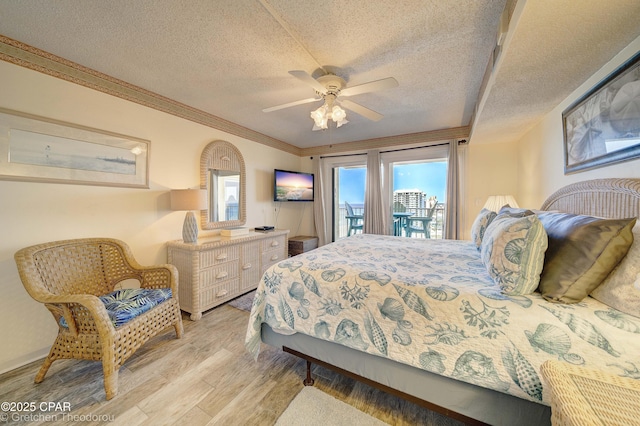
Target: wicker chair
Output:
[(68, 276)]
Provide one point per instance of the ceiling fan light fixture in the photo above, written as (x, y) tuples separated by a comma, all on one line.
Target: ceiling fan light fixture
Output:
[(322, 115), (338, 114), (319, 117), (328, 87), (341, 122)]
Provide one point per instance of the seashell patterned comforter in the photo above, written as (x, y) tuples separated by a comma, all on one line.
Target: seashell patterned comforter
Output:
[(431, 304)]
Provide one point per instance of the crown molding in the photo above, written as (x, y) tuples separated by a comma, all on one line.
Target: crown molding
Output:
[(27, 56)]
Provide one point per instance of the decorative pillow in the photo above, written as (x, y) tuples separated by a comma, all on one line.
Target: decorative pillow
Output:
[(126, 304), (515, 211), (479, 226), (513, 252), (621, 289), (583, 250)]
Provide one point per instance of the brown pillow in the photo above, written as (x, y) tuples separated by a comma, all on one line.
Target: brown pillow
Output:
[(621, 288), (582, 251)]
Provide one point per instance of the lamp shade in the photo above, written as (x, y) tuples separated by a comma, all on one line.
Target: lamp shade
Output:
[(188, 199), (496, 202)]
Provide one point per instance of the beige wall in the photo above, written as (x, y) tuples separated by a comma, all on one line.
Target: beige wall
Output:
[(540, 151), (491, 169), (532, 168), (31, 213)]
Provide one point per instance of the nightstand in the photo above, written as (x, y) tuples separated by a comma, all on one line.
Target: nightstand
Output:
[(582, 396), (302, 244)]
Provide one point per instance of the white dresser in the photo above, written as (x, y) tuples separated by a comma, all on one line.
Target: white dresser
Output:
[(217, 269)]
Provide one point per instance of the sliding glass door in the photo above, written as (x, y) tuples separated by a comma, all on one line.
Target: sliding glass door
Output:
[(417, 179), (413, 188), (348, 211)]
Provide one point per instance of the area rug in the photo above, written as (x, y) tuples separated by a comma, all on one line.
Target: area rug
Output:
[(243, 302), (312, 407)]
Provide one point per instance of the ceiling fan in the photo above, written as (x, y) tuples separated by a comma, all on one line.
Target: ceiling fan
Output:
[(328, 88)]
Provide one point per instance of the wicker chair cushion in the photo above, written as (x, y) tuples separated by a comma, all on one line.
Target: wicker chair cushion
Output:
[(125, 304)]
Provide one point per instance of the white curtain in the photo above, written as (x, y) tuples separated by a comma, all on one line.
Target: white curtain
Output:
[(320, 205), (375, 219), (452, 221)]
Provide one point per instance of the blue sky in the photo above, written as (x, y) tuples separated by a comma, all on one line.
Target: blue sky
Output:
[(428, 177)]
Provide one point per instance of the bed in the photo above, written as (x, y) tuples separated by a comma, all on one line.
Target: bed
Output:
[(426, 319)]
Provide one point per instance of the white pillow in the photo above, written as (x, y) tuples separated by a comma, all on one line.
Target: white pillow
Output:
[(618, 290)]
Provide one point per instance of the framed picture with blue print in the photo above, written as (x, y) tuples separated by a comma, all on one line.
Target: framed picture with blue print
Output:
[(603, 126)]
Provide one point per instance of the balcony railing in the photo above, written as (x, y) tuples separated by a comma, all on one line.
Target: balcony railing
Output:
[(436, 225)]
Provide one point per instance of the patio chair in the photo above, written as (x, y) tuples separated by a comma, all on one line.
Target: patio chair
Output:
[(400, 216), (355, 222), (421, 224), (399, 207), (77, 281)]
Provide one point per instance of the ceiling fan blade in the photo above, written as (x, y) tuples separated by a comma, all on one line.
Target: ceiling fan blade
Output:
[(363, 111), (305, 77), (290, 104), (372, 86)]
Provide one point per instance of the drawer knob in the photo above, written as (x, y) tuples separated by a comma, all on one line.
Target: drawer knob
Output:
[(221, 256), (246, 266), (275, 257), (222, 274), (274, 244), (222, 293)]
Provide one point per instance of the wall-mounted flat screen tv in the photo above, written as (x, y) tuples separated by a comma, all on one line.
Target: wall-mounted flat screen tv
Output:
[(292, 186)]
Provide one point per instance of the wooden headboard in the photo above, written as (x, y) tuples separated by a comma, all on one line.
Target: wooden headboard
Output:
[(611, 198)]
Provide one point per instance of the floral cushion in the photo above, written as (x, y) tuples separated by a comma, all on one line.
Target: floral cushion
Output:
[(126, 304), (479, 226), (513, 252)]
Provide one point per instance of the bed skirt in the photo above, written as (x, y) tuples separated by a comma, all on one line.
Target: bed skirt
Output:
[(447, 396)]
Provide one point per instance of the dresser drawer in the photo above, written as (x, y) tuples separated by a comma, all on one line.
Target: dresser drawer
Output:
[(218, 294), (250, 271), (217, 269), (271, 257), (219, 255), (217, 274), (273, 243)]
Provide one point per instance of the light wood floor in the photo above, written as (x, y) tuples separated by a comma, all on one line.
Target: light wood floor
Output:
[(206, 377)]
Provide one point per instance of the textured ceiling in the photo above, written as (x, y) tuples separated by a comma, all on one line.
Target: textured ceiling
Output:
[(231, 58), (555, 47)]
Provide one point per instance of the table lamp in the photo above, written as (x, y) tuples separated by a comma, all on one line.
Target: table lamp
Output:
[(189, 200), (496, 202)]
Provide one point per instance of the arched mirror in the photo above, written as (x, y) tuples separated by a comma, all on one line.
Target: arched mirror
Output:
[(222, 175)]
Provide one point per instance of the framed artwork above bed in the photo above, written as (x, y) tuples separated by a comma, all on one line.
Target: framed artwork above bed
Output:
[(603, 126)]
